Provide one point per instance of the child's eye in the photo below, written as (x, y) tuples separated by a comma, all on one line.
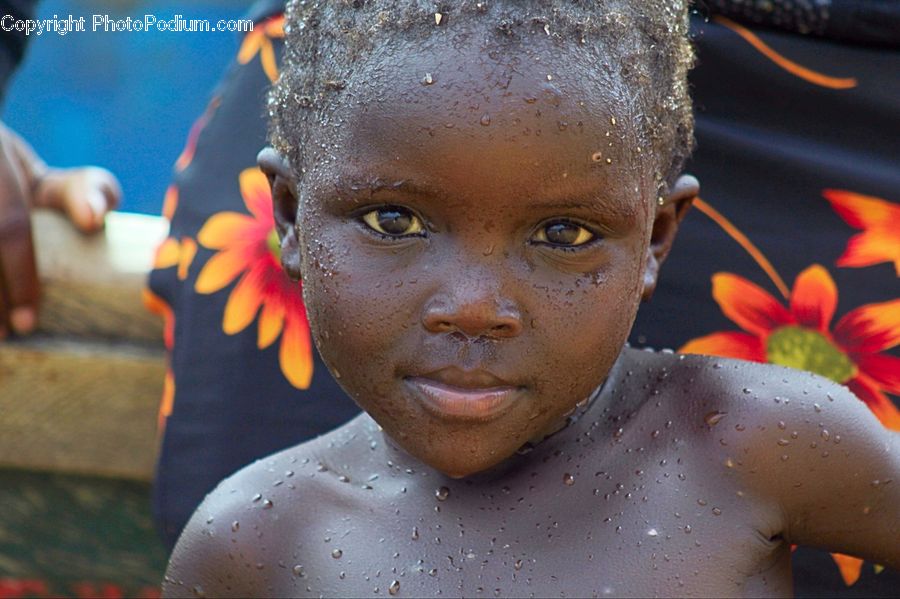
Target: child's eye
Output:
[(563, 233), (393, 221)]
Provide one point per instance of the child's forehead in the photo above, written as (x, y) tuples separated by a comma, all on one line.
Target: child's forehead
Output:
[(485, 112), (473, 70)]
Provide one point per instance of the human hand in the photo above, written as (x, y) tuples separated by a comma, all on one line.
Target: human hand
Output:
[(84, 194)]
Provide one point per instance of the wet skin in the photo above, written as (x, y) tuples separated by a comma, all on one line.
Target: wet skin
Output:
[(468, 317)]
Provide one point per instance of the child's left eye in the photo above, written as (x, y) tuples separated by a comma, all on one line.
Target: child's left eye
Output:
[(563, 234), (393, 221)]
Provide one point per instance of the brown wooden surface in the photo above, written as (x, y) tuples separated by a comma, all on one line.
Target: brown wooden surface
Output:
[(82, 395), (92, 284)]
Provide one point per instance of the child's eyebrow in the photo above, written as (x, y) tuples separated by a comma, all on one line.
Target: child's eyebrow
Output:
[(581, 194), (348, 183)]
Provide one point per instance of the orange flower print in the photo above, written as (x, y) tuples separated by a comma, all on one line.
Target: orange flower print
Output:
[(788, 65), (259, 42), (799, 336), (172, 252), (247, 247), (190, 146), (880, 222), (160, 307)]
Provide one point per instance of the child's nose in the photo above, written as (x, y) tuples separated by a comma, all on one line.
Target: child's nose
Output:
[(472, 314)]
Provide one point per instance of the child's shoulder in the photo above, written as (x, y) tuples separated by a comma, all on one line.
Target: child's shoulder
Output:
[(249, 523), (750, 403), (768, 396), (783, 435)]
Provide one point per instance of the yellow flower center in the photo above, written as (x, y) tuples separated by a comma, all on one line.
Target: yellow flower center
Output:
[(274, 245), (806, 349)]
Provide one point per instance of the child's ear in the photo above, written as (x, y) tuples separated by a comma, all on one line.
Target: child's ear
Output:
[(284, 208), (669, 214)]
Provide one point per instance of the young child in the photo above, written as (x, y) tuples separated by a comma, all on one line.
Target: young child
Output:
[(477, 199)]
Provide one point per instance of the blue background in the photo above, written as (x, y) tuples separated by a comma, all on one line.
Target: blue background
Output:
[(125, 100)]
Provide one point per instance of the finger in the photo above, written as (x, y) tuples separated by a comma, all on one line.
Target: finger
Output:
[(112, 190), (19, 271), (90, 195)]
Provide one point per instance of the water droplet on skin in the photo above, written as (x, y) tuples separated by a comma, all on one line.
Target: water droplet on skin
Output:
[(442, 493), (235, 526), (688, 529), (713, 418), (298, 571), (198, 591), (322, 468), (518, 564), (267, 504), (783, 442), (394, 587), (344, 478), (837, 439), (432, 572), (256, 497), (427, 79), (568, 479), (877, 483), (746, 391), (785, 457), (729, 463), (488, 250), (415, 533), (701, 502), (336, 553), (825, 434), (597, 156), (485, 119), (817, 407), (782, 425), (652, 532)]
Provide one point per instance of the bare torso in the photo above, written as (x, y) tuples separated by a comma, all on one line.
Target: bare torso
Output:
[(648, 493)]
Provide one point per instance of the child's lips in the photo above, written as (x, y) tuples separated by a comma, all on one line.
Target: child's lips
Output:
[(457, 395)]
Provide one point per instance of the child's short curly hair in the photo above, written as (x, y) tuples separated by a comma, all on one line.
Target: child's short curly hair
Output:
[(326, 39)]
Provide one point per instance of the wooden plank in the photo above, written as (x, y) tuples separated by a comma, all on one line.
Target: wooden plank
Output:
[(92, 284), (79, 407), (82, 395)]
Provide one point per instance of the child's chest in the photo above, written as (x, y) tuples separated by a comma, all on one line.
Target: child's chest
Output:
[(645, 527)]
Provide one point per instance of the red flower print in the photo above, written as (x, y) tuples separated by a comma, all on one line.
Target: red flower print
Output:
[(247, 247)]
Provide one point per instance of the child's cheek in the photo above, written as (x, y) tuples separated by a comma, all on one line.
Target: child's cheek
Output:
[(358, 305)]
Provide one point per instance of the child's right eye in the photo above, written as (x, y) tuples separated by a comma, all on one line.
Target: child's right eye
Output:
[(394, 221)]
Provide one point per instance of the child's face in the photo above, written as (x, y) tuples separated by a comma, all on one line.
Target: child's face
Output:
[(474, 249)]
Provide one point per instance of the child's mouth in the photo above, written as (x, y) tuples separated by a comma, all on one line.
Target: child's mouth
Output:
[(453, 394)]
